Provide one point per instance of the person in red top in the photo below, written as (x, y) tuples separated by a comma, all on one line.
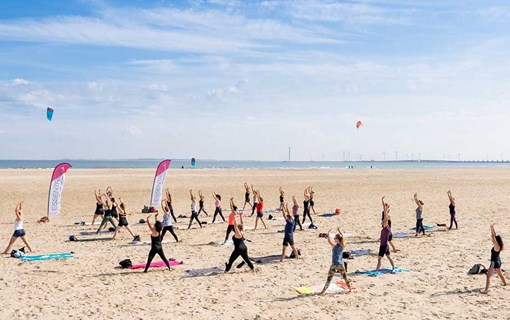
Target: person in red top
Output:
[(260, 212), (231, 218)]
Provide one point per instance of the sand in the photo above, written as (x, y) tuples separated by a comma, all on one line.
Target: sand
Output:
[(91, 286)]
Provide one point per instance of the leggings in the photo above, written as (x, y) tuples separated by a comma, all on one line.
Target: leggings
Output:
[(104, 221), (419, 226), (194, 215), (172, 213), (335, 269), (306, 212), (296, 222), (152, 254), (452, 220), (216, 212), (230, 228), (202, 210), (171, 229), (243, 252), (253, 208)]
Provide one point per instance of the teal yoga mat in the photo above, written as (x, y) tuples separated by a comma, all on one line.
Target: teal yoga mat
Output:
[(51, 256), (379, 272)]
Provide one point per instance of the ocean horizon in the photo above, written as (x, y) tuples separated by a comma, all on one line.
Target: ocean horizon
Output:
[(249, 164)]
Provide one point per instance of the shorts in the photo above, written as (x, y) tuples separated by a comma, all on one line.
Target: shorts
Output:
[(312, 203), (247, 197), (335, 269), (123, 222), (115, 214), (99, 212), (495, 264), (19, 233), (260, 214), (287, 241), (390, 237), (384, 250)]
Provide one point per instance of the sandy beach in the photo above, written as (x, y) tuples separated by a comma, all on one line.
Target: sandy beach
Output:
[(90, 285)]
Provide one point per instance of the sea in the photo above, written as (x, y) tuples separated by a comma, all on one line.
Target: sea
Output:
[(235, 164)]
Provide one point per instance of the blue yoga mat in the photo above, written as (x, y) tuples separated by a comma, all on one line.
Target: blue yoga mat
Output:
[(403, 235), (379, 272), (51, 256), (360, 252), (88, 233), (328, 215), (424, 227)]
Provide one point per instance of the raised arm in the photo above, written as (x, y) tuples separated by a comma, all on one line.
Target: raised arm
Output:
[(149, 224), (232, 204), (191, 195), (452, 200), (97, 193), (329, 239), (494, 241), (246, 187), (163, 206), (18, 210), (214, 196), (417, 200)]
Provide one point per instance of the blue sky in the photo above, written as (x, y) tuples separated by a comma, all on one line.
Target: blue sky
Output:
[(227, 79)]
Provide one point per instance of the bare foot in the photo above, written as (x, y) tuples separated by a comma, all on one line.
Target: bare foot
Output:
[(484, 291)]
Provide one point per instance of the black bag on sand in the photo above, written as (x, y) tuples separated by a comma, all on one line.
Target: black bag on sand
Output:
[(293, 256), (126, 263), (478, 269)]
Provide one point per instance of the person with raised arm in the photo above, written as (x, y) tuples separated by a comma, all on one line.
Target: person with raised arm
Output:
[(231, 218), (108, 217), (19, 232), (240, 248), (255, 200), (260, 212), (312, 203), (99, 206), (167, 221), (384, 249), (390, 237), (337, 264), (451, 207), (169, 204), (497, 243), (282, 199), (109, 192), (201, 203), (306, 207), (246, 196), (123, 222), (419, 215), (288, 238), (217, 205), (295, 213), (194, 214), (156, 246)]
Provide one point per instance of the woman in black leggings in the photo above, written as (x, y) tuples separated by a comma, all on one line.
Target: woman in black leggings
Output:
[(156, 246), (201, 203), (240, 248), (217, 204), (306, 207)]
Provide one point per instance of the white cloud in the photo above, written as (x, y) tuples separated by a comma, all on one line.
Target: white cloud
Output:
[(135, 131), (18, 82)]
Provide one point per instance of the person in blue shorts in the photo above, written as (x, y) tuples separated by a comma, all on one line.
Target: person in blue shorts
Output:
[(288, 238)]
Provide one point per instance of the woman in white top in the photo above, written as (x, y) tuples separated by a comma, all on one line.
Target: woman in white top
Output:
[(167, 222), (19, 232), (194, 214)]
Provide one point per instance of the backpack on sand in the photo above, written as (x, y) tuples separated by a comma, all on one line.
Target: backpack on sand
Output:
[(478, 268)]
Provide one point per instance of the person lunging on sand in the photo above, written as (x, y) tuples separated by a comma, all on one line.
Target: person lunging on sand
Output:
[(156, 246), (337, 264), (107, 217), (384, 249), (194, 214), (99, 206), (295, 213), (217, 205), (497, 243), (288, 238), (260, 212), (419, 215), (255, 200), (282, 199), (169, 204), (390, 237), (451, 207), (19, 232), (123, 222), (240, 248), (201, 203), (231, 218), (246, 196), (167, 221)]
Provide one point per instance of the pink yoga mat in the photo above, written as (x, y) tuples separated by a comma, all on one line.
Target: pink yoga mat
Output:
[(157, 264)]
